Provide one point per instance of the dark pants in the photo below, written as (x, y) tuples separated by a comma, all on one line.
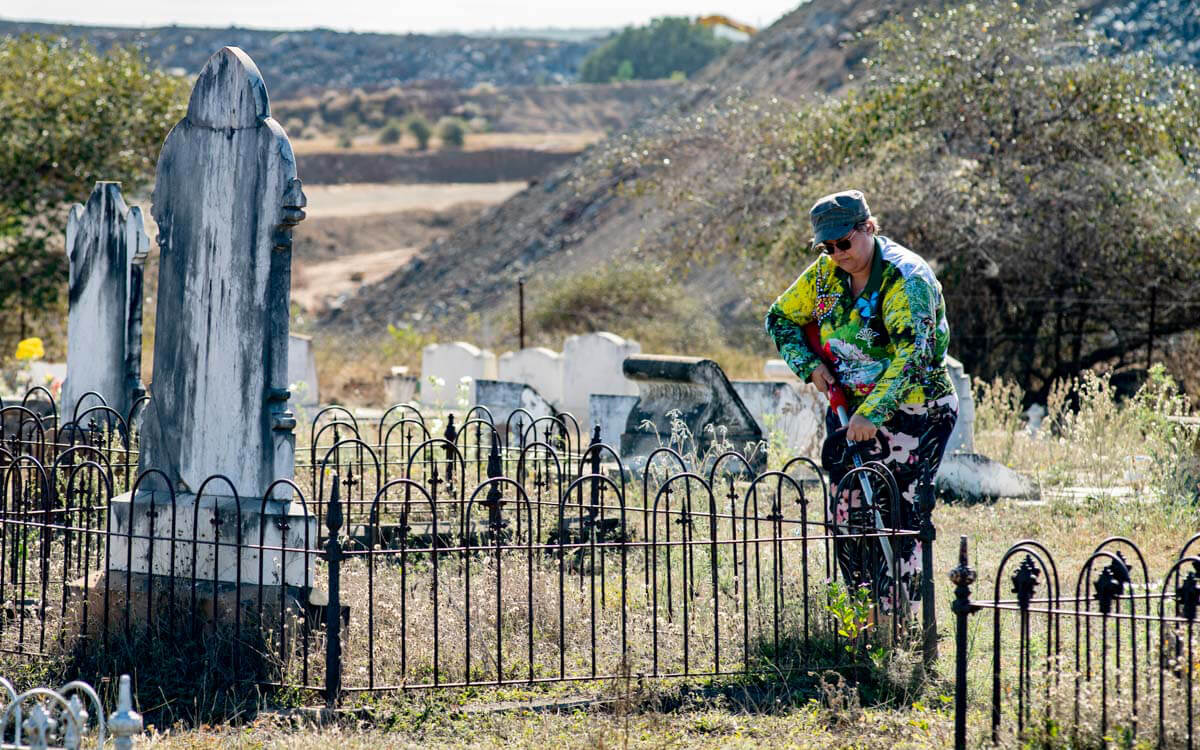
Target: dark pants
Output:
[(915, 441)]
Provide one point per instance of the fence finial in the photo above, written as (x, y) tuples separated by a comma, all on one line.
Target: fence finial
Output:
[(124, 723), (962, 576)]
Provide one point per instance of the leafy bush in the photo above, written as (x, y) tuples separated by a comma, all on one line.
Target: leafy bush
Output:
[(391, 133), (452, 132), (419, 127), (71, 117), (636, 300), (666, 46)]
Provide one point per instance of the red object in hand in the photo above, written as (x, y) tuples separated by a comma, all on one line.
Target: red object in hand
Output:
[(812, 337)]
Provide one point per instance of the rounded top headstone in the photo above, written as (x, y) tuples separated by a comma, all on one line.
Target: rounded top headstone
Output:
[(229, 93)]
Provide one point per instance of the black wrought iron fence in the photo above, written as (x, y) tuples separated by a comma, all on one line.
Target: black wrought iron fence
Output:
[(1106, 658), (416, 561)]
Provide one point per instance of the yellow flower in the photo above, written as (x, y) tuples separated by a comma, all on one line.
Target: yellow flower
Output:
[(30, 349)]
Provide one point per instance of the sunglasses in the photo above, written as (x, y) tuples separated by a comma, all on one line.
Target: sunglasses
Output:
[(843, 244)]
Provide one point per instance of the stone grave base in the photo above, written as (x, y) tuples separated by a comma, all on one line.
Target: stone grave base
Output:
[(162, 602), (213, 537)]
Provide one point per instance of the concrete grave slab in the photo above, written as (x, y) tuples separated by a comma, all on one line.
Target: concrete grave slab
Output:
[(962, 439), (794, 410), (538, 366), (610, 413), (701, 394), (302, 371), (399, 386), (592, 364), (502, 398)]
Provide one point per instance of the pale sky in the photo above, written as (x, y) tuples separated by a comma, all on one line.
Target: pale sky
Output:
[(387, 15)]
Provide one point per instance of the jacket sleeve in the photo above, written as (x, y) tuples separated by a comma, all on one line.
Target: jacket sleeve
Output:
[(909, 314), (786, 320)]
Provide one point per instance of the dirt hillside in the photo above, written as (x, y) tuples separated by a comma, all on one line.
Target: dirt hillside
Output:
[(592, 211)]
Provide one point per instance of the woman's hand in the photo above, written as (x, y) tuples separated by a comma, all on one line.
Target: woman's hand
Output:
[(860, 428), (821, 378)]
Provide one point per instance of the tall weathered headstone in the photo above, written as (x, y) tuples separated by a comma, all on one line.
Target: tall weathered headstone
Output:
[(106, 249), (226, 198)]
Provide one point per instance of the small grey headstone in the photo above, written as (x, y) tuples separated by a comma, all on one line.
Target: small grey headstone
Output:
[(106, 246)]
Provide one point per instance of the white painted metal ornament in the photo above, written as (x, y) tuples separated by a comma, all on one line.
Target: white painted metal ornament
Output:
[(43, 718)]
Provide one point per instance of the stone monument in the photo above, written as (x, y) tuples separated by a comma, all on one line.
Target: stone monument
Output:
[(106, 249), (699, 392), (226, 198)]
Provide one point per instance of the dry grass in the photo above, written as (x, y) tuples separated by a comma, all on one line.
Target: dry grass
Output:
[(1077, 446)]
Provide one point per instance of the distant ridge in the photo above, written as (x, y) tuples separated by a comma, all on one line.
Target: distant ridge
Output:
[(314, 60)]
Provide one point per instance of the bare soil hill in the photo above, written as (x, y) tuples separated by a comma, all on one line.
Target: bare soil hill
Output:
[(589, 212), (593, 211)]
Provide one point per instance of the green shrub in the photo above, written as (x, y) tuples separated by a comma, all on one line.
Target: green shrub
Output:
[(636, 300), (452, 132), (392, 133), (419, 127)]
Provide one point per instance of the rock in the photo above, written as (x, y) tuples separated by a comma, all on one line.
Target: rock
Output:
[(972, 478)]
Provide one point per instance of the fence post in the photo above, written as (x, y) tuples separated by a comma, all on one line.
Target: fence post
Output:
[(594, 447), (929, 643), (333, 608), (962, 577)]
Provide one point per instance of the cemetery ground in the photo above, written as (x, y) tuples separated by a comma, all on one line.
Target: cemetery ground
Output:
[(893, 701)]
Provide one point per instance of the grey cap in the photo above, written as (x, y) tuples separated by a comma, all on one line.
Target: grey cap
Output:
[(836, 214)]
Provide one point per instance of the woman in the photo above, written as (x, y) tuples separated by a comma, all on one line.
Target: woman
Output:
[(883, 324)]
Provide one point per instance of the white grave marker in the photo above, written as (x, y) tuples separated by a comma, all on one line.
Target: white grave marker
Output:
[(592, 364), (538, 367), (447, 365)]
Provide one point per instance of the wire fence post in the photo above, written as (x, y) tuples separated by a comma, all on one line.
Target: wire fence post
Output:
[(521, 312), (333, 608), (962, 577)]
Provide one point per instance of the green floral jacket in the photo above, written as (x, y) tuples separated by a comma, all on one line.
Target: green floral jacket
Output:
[(889, 343)]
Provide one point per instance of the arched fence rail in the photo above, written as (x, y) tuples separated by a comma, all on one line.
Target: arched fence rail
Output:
[(1106, 656), (408, 556)]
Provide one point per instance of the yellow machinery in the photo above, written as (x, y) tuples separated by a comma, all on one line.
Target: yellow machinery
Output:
[(718, 20)]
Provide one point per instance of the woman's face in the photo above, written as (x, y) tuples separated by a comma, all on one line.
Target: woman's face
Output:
[(857, 259)]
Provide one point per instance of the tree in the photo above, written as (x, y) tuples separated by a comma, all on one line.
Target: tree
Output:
[(71, 117), (666, 46), (419, 127), (1057, 185), (391, 133), (1053, 184)]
